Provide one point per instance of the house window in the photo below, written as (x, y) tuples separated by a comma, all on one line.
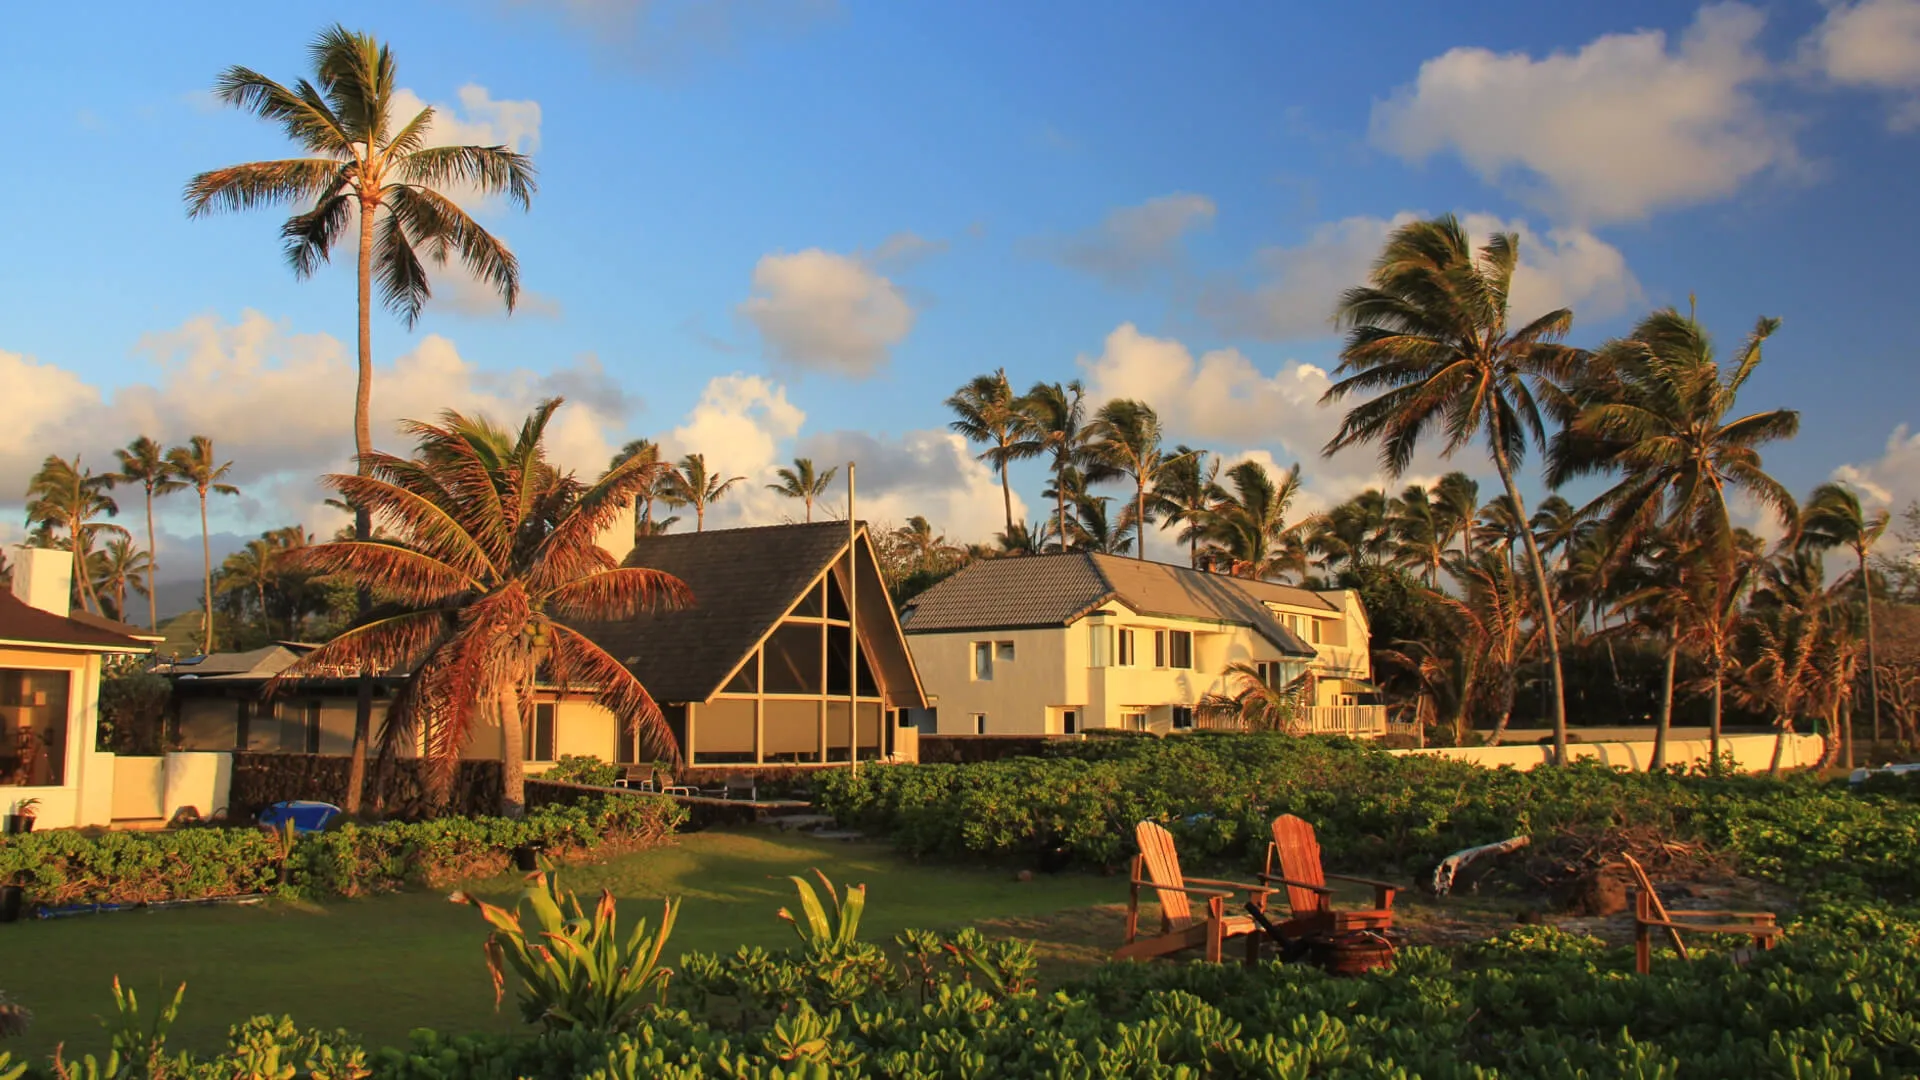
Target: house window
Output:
[(1003, 651), (979, 723), (1133, 721), (33, 727), (537, 741), (983, 660), (1278, 674), (1172, 649), (1125, 650), (1182, 717), (794, 655), (1070, 721), (1099, 646), (903, 718)]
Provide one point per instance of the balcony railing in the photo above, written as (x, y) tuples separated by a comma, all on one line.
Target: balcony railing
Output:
[(1359, 721)]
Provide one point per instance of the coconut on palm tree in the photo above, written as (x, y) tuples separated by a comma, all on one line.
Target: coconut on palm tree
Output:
[(1127, 439), (194, 466), (690, 484), (802, 482), (144, 462), (66, 495), (1833, 518), (1429, 339), (986, 410), (494, 568)]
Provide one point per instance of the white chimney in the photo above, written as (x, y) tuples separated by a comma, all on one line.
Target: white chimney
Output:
[(43, 578)]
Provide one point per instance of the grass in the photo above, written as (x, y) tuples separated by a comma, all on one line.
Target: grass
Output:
[(384, 966)]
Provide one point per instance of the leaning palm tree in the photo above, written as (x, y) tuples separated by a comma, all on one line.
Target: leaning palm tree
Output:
[(194, 466), (1429, 337), (1833, 518), (1247, 531), (66, 495), (494, 569), (1184, 495), (144, 462), (1127, 439), (689, 484), (369, 167), (986, 410), (120, 567), (801, 482), (1256, 704)]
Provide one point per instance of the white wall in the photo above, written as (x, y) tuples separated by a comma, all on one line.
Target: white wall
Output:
[(1752, 753)]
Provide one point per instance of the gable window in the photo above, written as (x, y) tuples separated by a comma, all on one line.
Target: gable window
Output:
[(1173, 649), (537, 736), (1182, 717), (983, 661)]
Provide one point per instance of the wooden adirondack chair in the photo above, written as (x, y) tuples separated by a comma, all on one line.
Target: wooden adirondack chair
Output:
[(1293, 861), (1157, 867), (1649, 913)]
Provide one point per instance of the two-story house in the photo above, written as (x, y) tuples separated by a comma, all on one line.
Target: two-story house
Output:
[(1058, 644)]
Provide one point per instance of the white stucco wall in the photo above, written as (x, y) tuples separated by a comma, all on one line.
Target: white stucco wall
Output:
[(1751, 753)]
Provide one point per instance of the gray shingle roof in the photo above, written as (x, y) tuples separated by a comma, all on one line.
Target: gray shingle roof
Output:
[(1055, 590)]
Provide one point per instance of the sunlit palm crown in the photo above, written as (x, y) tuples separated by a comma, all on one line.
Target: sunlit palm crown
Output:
[(365, 159), (494, 555)]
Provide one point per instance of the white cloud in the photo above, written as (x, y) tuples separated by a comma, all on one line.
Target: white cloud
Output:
[(1134, 241), (1301, 285), (478, 120), (739, 423), (459, 292), (906, 248), (1875, 45), (1890, 481), (932, 473), (1623, 127), (820, 311)]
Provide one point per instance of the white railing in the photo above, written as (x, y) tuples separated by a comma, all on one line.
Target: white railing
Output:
[(1360, 721)]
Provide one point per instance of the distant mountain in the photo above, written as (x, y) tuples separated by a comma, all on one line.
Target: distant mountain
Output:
[(176, 597)]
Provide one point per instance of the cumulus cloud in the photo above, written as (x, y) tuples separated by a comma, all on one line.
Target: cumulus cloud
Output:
[(662, 36), (931, 472), (280, 406), (1874, 45), (738, 424), (1890, 481), (820, 311), (1627, 125), (459, 292), (1297, 288), (478, 119), (1133, 242)]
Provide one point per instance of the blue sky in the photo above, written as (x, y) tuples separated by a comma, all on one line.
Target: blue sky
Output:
[(769, 227)]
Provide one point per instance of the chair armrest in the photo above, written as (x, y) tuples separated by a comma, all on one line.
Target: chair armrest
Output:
[(1237, 886), (1752, 916), (1387, 885), (1272, 878), (1183, 888), (1714, 928)]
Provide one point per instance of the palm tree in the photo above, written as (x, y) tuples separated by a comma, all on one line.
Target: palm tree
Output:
[(1789, 633), (1184, 495), (495, 565), (1498, 526), (1247, 531), (366, 165), (119, 568), (144, 462), (986, 410), (1456, 499), (65, 495), (1255, 704), (1022, 539), (194, 466), (1430, 334), (1356, 533), (927, 548), (1490, 617), (1094, 531), (1127, 439), (1833, 518), (1556, 526), (1417, 528), (1057, 422), (652, 489), (1659, 597), (251, 570), (801, 482), (690, 484)]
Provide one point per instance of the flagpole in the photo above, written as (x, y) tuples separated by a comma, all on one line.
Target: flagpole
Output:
[(853, 629)]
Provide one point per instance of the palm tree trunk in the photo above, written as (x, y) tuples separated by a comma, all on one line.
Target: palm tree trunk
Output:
[(1006, 490), (699, 516), (1873, 670), (1782, 728), (1547, 617), (153, 563), (1665, 722), (79, 563), (1140, 519), (362, 519), (513, 771), (206, 579), (1713, 718), (1060, 504)]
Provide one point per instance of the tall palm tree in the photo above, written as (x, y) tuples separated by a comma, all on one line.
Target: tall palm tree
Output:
[(986, 410), (1430, 334), (1556, 526), (1417, 526), (1833, 518), (66, 495), (1247, 532), (1184, 495), (194, 466), (1057, 423), (1094, 530), (366, 165), (1127, 439), (1659, 597), (144, 462), (251, 570), (1456, 499), (690, 484), (1358, 532), (120, 567), (653, 487), (1498, 525), (494, 569), (801, 482)]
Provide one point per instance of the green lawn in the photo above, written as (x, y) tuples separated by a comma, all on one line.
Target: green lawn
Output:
[(383, 966)]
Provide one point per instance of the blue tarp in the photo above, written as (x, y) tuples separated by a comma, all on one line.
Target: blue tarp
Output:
[(306, 816)]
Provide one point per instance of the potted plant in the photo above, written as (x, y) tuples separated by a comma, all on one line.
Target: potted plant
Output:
[(20, 820)]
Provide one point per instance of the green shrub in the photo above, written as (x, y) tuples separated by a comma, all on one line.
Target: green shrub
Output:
[(65, 866), (582, 769)]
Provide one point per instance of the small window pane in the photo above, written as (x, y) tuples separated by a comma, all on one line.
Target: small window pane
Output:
[(836, 599), (793, 659), (747, 679), (837, 637), (1003, 650), (1126, 648), (1182, 717), (983, 659), (809, 605), (536, 739)]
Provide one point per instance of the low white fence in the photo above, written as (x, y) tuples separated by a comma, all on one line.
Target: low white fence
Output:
[(1751, 753)]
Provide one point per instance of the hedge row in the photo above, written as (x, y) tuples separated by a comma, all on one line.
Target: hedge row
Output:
[(66, 866), (261, 779)]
